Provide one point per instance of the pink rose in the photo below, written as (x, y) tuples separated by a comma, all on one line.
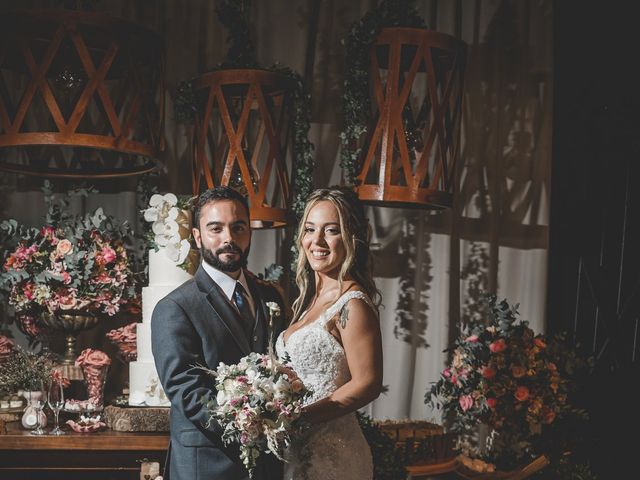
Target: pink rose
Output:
[(64, 247), (108, 254), (67, 302), (498, 346), (492, 403), (488, 372), (466, 402), (446, 373), (471, 339), (522, 393), (92, 358), (6, 347)]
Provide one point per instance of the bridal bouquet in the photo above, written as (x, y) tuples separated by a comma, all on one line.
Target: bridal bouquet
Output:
[(257, 405)]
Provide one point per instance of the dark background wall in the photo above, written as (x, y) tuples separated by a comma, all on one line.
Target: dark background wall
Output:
[(594, 260)]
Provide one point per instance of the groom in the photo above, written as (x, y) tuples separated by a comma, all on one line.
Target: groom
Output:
[(218, 316)]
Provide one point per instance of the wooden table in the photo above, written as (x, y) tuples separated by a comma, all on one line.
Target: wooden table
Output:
[(106, 454)]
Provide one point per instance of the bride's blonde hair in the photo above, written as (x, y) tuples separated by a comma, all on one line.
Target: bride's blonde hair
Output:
[(356, 233)]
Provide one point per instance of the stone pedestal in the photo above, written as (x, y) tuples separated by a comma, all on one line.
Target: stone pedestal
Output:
[(137, 419)]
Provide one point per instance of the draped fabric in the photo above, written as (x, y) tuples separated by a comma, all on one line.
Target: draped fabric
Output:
[(429, 266)]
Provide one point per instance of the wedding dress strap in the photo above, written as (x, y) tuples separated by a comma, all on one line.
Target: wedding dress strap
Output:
[(342, 301)]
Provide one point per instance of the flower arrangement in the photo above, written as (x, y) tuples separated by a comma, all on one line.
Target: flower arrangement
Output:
[(71, 263), (257, 405), (505, 376), (124, 338), (94, 364), (170, 220)]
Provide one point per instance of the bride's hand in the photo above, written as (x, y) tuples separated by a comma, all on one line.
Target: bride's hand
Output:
[(292, 376), (289, 372)]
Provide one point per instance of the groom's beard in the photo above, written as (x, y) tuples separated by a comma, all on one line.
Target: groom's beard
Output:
[(213, 258)]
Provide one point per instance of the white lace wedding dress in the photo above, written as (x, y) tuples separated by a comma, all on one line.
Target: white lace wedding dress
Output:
[(337, 449)]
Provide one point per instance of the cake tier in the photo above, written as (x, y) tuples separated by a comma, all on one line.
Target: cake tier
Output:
[(163, 271), (150, 298), (143, 342), (144, 386)]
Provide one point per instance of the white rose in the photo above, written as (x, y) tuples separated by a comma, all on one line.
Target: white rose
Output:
[(274, 308), (251, 373)]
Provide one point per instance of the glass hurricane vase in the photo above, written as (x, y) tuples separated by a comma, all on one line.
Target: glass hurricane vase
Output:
[(95, 379)]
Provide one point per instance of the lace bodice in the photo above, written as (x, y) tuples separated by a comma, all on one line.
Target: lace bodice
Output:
[(317, 357)]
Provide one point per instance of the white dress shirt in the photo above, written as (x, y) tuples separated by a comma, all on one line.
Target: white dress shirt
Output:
[(228, 284)]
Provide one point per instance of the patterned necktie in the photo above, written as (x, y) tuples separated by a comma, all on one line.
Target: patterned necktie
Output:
[(242, 302)]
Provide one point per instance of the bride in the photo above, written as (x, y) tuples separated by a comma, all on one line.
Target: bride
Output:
[(334, 342)]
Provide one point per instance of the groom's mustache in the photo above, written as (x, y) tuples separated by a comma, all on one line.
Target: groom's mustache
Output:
[(229, 249)]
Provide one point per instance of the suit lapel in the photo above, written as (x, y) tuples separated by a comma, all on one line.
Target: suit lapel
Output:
[(222, 309)]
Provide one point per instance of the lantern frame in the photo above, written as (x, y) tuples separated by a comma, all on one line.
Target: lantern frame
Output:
[(391, 177), (117, 64), (239, 100)]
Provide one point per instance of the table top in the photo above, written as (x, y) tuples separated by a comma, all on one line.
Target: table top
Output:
[(19, 439)]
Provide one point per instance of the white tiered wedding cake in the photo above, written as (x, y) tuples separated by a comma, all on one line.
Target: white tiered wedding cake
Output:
[(171, 230)]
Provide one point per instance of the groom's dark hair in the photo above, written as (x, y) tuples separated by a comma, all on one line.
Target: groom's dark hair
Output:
[(214, 194)]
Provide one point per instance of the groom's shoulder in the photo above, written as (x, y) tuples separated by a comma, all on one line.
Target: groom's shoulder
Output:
[(186, 290)]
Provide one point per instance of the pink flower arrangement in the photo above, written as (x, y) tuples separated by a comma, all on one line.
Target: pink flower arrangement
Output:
[(125, 339), (76, 264), (506, 377), (94, 364)]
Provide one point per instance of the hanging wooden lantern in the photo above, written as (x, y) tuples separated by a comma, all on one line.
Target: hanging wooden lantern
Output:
[(241, 139), (81, 94), (412, 149)]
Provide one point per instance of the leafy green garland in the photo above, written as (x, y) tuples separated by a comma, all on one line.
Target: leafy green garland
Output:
[(234, 15), (356, 103)]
